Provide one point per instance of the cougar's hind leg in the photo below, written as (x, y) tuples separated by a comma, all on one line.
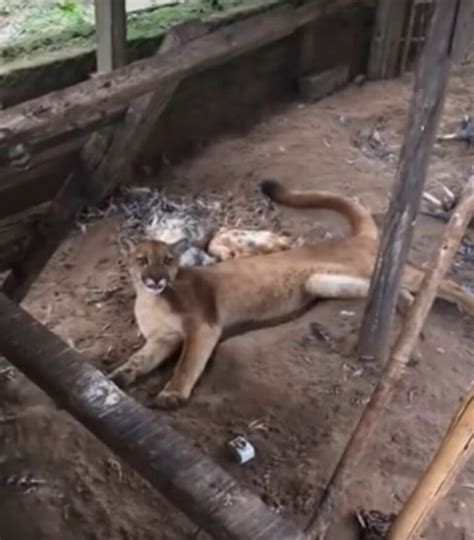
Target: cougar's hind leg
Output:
[(337, 286), (448, 290)]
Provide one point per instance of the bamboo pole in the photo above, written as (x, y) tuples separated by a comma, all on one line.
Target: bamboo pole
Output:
[(396, 366), (455, 450), (191, 481)]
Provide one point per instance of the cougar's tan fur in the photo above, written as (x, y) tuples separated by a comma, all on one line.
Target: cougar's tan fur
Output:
[(195, 307)]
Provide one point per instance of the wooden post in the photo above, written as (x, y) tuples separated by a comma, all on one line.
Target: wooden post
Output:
[(386, 38), (423, 119), (425, 109), (455, 450), (396, 366), (464, 38), (189, 480), (111, 34)]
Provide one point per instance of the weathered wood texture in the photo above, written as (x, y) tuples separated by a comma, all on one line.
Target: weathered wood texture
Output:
[(456, 449), (464, 38), (15, 232), (227, 97), (49, 233), (386, 38), (65, 110), (189, 480), (111, 34), (105, 162), (314, 87), (396, 366), (142, 115), (423, 119), (425, 109)]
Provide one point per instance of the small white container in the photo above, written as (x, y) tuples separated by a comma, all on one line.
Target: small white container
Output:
[(241, 450)]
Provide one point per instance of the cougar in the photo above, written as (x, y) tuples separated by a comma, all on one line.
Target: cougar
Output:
[(196, 307)]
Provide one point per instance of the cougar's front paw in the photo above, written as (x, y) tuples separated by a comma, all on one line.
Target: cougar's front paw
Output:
[(124, 375), (170, 399)]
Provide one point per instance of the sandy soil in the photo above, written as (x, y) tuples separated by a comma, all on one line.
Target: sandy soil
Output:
[(295, 395)]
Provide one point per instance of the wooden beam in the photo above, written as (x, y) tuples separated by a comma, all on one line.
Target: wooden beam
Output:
[(386, 38), (188, 479), (456, 449), (77, 106), (425, 109), (111, 34), (423, 119)]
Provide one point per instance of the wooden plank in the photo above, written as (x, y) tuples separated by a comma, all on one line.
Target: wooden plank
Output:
[(111, 34), (34, 187), (15, 232), (314, 87), (61, 111), (423, 118), (49, 233), (464, 38), (191, 481), (42, 160), (386, 38)]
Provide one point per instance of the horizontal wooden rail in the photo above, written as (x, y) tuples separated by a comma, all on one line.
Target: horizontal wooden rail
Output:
[(82, 105), (192, 482)]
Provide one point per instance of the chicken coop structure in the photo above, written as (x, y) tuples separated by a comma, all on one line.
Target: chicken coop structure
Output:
[(72, 147)]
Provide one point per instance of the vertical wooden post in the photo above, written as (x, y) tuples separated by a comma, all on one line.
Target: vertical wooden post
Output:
[(385, 47), (464, 38), (423, 118), (111, 34), (426, 105)]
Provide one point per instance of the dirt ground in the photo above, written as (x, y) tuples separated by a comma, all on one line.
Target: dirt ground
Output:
[(294, 391)]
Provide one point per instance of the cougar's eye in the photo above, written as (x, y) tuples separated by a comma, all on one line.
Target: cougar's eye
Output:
[(142, 260), (168, 259)]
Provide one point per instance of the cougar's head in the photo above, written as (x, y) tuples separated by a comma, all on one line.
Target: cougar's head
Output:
[(153, 265)]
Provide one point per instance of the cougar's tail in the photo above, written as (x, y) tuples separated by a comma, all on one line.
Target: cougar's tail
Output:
[(361, 219)]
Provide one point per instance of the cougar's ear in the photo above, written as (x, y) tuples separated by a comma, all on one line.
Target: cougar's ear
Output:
[(179, 247), (126, 245)]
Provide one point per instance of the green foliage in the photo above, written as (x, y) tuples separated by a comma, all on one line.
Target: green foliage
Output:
[(41, 26)]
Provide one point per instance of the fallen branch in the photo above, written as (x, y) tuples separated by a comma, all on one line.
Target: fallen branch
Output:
[(455, 450), (397, 363)]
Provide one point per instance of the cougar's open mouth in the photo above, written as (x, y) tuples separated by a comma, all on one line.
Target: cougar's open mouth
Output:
[(155, 287)]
